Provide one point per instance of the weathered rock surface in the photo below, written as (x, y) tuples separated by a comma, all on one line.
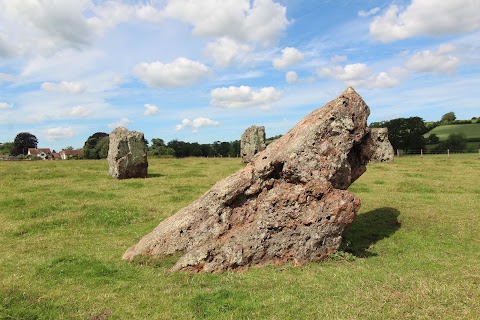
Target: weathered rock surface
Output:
[(381, 148), (289, 204), (127, 154), (252, 142)]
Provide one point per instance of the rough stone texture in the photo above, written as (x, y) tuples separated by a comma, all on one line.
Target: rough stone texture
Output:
[(252, 142), (381, 148), (289, 204), (127, 154)]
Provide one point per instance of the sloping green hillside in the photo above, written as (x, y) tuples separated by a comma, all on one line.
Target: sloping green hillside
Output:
[(471, 131)]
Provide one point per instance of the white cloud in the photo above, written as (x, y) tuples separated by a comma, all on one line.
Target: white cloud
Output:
[(150, 109), (42, 26), (360, 75), (389, 79), (180, 73), (118, 79), (111, 13), (46, 26), (226, 50), (5, 77), (291, 77), (196, 123), (80, 112), (338, 58), (5, 48), (121, 123), (371, 12), (243, 96), (262, 21), (59, 133), (427, 17), (62, 65), (64, 86), (289, 56), (438, 61), (4, 105), (351, 72)]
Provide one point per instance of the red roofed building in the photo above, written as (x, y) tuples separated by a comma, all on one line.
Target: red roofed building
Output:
[(44, 153), (67, 154), (56, 156)]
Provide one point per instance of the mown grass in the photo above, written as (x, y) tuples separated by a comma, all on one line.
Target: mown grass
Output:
[(413, 252)]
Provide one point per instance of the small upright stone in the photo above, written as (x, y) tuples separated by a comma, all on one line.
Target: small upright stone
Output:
[(382, 149), (252, 142), (127, 154)]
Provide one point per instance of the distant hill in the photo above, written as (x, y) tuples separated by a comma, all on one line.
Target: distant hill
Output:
[(471, 131)]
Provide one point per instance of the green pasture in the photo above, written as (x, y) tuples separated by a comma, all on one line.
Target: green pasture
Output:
[(412, 253), (471, 131)]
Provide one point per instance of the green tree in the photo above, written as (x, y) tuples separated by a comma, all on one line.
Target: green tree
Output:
[(207, 150), (454, 142), (90, 148), (234, 149), (102, 147), (157, 142), (182, 149), (22, 142), (432, 139), (448, 118), (407, 133), (6, 148), (159, 149), (379, 124)]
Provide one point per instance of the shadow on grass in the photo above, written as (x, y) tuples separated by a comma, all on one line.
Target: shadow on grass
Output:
[(155, 175), (368, 229)]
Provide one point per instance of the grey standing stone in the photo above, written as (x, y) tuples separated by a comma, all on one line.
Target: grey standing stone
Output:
[(289, 204), (382, 149), (252, 142), (127, 154)]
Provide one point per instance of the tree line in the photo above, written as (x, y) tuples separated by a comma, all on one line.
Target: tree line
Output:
[(96, 147), (407, 134)]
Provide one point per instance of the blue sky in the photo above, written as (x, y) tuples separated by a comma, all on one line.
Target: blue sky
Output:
[(206, 70)]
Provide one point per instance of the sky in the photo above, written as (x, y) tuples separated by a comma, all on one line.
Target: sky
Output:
[(205, 70)]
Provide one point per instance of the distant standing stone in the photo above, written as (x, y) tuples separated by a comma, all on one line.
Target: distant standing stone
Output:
[(252, 142), (127, 154), (382, 149)]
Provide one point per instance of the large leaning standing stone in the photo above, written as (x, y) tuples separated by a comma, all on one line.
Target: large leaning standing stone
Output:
[(252, 142), (127, 154), (289, 204), (381, 148)]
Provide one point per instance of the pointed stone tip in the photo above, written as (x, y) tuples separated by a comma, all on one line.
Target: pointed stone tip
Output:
[(349, 90)]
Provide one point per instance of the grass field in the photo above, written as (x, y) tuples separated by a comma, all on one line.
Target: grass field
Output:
[(471, 131), (412, 253)]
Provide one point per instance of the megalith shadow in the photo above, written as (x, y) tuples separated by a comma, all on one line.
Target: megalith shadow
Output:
[(155, 175), (369, 228)]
